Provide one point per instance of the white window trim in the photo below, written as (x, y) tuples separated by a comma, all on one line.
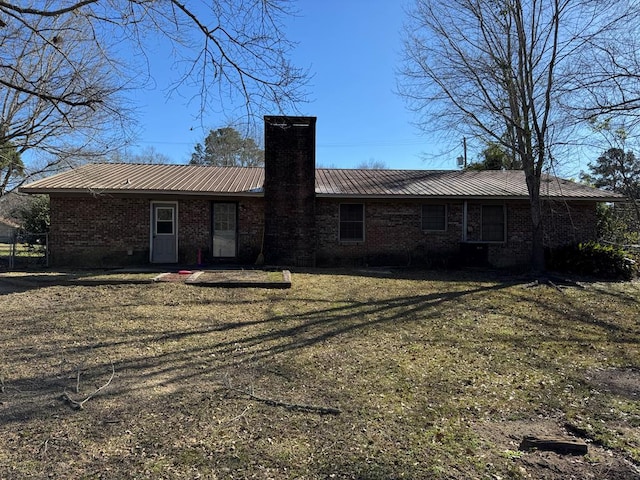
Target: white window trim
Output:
[(173, 221)]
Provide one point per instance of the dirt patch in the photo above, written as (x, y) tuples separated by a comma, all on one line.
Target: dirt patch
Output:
[(242, 278), (503, 441), (623, 382), (181, 276)]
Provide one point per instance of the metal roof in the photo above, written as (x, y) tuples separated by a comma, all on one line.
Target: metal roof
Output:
[(341, 183), (136, 178), (508, 184)]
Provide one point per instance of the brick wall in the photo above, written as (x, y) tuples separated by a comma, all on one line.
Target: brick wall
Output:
[(110, 230), (115, 230), (99, 230), (394, 235), (194, 229), (569, 223), (250, 229)]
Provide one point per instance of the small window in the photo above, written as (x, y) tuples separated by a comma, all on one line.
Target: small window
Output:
[(434, 218), (351, 222), (493, 223), (164, 220)]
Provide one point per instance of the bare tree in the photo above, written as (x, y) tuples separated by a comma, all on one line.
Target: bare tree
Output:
[(148, 155), (66, 68), (372, 164), (486, 67), (58, 94), (606, 89)]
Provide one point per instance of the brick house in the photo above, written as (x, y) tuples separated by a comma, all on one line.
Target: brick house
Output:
[(297, 215)]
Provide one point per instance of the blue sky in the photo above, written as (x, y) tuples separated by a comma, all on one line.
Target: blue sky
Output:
[(352, 49)]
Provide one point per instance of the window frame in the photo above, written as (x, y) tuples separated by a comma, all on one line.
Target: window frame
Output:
[(159, 221), (360, 222), (445, 217), (504, 222)]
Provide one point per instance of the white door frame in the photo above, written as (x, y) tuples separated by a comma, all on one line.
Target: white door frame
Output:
[(152, 226)]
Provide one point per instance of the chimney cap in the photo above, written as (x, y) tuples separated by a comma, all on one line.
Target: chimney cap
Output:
[(287, 121)]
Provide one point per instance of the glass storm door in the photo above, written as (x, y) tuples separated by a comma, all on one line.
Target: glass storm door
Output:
[(224, 230), (164, 244)]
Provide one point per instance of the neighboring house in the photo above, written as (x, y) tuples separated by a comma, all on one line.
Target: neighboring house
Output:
[(297, 215), (8, 230)]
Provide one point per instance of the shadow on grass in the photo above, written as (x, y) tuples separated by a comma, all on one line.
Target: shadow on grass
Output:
[(169, 382), (216, 346), (230, 343), (16, 282)]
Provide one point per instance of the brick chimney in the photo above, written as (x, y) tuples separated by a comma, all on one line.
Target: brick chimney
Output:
[(289, 190)]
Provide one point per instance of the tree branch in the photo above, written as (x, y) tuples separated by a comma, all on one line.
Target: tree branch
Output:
[(46, 13), (79, 404)]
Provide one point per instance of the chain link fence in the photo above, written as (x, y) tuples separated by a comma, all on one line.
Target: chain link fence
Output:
[(24, 250)]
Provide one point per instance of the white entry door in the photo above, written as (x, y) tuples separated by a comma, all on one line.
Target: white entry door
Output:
[(224, 230), (164, 238)]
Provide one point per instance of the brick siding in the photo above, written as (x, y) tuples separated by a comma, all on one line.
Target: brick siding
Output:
[(394, 235), (98, 230), (115, 230)]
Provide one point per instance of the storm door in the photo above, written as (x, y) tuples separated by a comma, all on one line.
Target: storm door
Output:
[(164, 238), (224, 230)]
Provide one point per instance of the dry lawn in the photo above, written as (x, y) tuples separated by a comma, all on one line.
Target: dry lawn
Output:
[(435, 375)]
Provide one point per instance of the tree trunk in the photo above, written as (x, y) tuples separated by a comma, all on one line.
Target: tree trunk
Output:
[(537, 246)]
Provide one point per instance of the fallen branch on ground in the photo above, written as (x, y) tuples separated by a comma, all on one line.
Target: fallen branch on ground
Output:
[(79, 404), (544, 282), (291, 406)]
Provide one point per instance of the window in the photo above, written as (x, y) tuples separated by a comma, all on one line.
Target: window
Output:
[(164, 220), (224, 216), (493, 223), (434, 218), (351, 222)]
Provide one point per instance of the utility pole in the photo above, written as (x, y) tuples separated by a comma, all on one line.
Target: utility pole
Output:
[(462, 159), (464, 146)]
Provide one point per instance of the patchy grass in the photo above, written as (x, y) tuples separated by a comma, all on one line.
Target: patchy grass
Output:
[(435, 375), (22, 250)]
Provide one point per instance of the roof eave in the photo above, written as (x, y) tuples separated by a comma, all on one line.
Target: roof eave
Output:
[(416, 197), (466, 197), (98, 191)]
